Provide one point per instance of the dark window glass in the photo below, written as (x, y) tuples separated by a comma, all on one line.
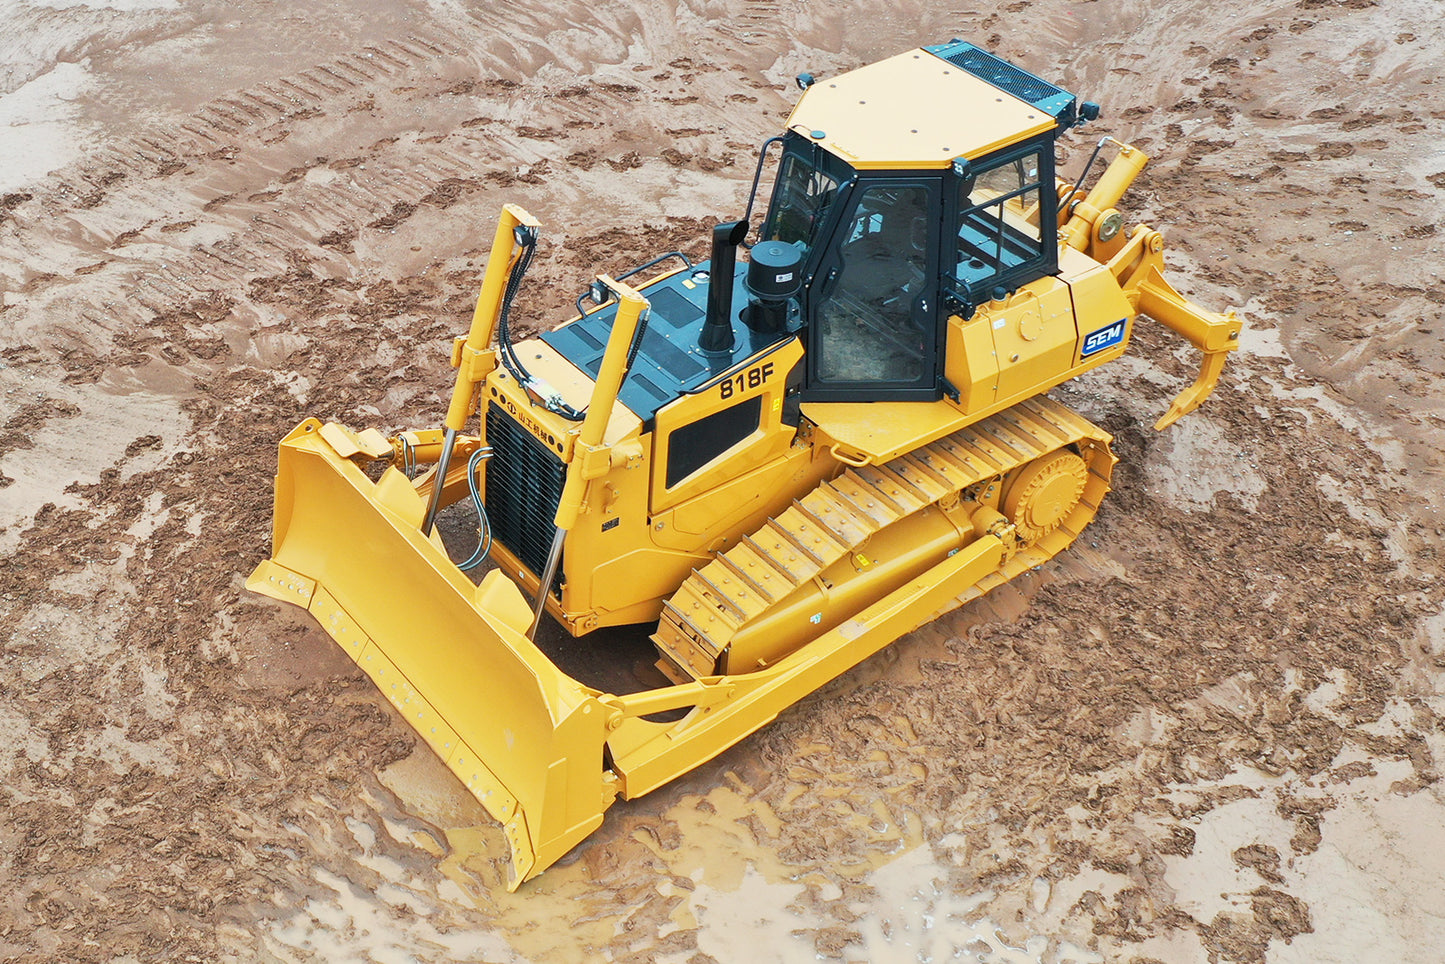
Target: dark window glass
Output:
[(867, 328), (999, 224), (800, 203), (691, 447)]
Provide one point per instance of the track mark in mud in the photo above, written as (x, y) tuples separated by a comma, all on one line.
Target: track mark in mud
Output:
[(399, 212), (19, 429), (267, 106), (223, 826), (340, 240), (9, 202)]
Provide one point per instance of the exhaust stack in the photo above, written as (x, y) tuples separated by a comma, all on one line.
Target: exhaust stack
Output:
[(717, 331)]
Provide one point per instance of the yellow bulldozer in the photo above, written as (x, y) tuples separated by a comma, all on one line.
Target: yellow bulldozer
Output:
[(776, 466)]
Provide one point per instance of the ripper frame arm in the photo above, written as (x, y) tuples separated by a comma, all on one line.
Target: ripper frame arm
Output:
[(1140, 269), (1139, 266)]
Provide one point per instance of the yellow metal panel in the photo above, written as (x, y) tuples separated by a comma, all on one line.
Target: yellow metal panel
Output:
[(395, 491), (340, 627), (412, 706), (1033, 335), (349, 444), (645, 574), (482, 783), (1098, 302), (500, 596), (724, 508), (614, 527), (914, 110), (281, 583), (971, 364), (762, 375), (879, 431)]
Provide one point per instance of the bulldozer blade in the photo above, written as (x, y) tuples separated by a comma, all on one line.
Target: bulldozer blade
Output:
[(453, 658)]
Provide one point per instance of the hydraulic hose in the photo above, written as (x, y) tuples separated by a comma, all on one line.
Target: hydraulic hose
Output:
[(484, 528)]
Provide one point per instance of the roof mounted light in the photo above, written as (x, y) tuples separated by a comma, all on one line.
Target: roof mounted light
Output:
[(963, 170)]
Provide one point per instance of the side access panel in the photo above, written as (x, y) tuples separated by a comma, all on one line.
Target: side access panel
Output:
[(1104, 315), (1034, 336)]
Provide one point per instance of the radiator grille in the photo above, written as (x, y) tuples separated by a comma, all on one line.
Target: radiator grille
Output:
[(524, 485)]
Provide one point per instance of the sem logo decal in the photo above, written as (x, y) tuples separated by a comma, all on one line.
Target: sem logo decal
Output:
[(1097, 341)]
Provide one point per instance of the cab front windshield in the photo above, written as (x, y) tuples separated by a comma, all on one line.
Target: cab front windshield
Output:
[(801, 200)]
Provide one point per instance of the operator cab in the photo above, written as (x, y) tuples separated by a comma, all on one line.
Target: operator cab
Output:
[(905, 213), (889, 215)]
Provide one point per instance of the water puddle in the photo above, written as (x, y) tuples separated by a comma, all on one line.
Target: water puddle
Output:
[(42, 124), (751, 922), (917, 916)]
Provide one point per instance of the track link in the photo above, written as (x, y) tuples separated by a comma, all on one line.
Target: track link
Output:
[(770, 567)]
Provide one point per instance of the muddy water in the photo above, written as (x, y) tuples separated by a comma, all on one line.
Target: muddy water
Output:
[(1208, 732)]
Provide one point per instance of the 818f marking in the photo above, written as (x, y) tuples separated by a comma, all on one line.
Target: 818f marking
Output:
[(752, 378)]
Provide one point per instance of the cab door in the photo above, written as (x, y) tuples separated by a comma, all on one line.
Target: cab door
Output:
[(873, 308)]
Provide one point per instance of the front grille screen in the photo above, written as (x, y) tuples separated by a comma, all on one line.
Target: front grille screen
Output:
[(524, 486)]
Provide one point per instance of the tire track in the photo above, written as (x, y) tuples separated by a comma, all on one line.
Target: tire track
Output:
[(144, 189), (1008, 779)]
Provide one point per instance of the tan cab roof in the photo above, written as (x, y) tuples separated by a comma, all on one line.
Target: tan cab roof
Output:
[(914, 110)]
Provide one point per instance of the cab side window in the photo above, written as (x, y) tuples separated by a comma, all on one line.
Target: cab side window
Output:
[(1001, 221)]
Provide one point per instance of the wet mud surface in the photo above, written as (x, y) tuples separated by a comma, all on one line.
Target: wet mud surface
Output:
[(1210, 731)]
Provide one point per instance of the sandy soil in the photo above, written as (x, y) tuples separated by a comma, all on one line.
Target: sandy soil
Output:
[(1209, 733)]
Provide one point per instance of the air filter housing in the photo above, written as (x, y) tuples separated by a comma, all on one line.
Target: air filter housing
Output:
[(774, 278)]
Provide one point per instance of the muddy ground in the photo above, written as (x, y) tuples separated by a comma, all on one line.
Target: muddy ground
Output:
[(1209, 732)]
